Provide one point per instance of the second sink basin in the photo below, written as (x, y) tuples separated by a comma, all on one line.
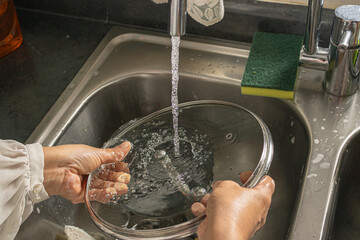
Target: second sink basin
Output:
[(346, 220)]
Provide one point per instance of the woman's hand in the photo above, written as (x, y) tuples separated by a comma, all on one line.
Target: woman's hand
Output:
[(234, 212), (66, 168)]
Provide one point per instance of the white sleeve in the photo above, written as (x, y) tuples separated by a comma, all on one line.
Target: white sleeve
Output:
[(21, 178)]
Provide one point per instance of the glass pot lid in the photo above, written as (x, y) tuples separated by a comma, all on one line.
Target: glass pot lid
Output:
[(217, 141)]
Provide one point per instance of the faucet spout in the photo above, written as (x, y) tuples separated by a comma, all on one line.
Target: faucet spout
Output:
[(311, 55), (313, 23), (177, 19)]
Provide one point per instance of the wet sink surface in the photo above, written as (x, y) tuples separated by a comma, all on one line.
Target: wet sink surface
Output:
[(128, 77)]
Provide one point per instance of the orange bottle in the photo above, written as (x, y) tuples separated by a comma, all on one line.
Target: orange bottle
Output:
[(10, 33)]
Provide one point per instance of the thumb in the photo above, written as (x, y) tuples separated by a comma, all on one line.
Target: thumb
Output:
[(266, 186), (117, 153)]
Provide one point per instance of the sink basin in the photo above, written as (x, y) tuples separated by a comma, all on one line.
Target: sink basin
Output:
[(346, 220), (128, 77)]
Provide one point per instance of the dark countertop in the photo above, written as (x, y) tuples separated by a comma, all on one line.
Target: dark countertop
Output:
[(34, 76)]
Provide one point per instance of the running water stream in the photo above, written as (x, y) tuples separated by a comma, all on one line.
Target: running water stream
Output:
[(175, 41)]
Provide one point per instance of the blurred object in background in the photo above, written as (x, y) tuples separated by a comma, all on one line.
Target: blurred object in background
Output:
[(10, 33)]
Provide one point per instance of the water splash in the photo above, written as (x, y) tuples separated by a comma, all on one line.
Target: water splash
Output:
[(158, 191), (175, 41)]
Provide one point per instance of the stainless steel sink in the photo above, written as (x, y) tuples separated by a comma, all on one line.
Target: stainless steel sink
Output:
[(346, 219), (128, 76)]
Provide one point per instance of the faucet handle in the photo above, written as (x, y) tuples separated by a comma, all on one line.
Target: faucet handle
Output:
[(342, 77), (346, 27)]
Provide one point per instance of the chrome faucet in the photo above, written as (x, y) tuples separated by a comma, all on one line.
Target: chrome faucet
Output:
[(177, 19), (341, 60)]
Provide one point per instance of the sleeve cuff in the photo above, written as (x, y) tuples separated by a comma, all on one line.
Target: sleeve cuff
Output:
[(37, 192)]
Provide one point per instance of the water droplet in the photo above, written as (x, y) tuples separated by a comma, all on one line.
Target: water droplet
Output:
[(318, 158), (229, 136), (325, 165), (95, 73), (197, 193), (312, 175)]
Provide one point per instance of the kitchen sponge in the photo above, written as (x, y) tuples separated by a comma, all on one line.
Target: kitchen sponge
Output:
[(272, 66)]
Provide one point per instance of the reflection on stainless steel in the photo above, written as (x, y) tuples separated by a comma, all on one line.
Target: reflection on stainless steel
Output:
[(341, 60), (332, 121), (312, 30), (342, 78), (177, 18), (310, 134), (318, 60)]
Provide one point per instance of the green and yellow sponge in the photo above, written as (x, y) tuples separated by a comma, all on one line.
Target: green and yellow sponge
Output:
[(272, 66)]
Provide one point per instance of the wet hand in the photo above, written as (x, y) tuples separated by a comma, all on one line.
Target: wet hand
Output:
[(67, 166), (234, 212)]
